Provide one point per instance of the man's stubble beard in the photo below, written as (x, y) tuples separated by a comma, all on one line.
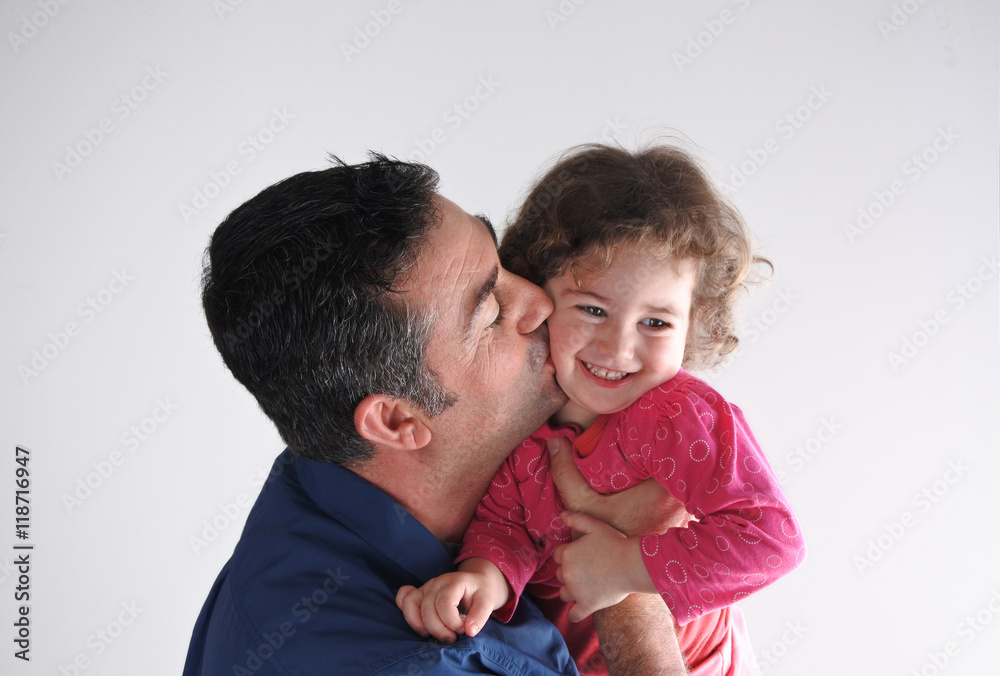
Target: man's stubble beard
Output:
[(534, 411)]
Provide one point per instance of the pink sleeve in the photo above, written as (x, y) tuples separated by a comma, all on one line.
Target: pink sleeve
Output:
[(498, 531), (746, 536)]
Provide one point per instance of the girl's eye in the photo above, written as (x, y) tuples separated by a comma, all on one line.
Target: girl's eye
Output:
[(654, 323), (593, 311)]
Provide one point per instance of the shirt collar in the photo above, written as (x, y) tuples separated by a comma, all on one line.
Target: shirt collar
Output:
[(374, 517)]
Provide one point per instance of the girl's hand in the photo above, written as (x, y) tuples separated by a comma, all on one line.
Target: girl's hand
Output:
[(435, 609)]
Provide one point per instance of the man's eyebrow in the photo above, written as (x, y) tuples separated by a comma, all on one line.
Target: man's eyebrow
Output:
[(489, 226), (484, 292)]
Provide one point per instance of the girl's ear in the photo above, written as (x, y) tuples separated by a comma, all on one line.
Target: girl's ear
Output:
[(393, 424)]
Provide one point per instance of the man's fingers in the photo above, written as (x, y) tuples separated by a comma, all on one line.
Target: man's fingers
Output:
[(572, 486)]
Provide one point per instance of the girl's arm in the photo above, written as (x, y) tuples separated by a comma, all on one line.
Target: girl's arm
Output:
[(745, 536)]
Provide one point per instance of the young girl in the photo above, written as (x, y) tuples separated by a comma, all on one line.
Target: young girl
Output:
[(643, 260)]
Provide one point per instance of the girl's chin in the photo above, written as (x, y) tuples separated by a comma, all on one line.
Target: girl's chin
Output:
[(603, 405)]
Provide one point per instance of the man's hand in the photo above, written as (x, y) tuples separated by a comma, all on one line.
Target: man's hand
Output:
[(646, 508), (638, 636), (599, 568), (434, 608)]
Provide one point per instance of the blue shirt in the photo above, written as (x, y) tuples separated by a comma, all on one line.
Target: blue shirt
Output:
[(311, 587)]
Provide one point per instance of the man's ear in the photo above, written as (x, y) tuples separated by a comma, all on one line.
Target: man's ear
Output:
[(395, 424)]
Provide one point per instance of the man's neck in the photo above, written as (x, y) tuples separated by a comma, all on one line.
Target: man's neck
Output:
[(444, 502)]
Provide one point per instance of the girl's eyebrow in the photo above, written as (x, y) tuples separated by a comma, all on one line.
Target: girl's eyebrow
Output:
[(593, 294), (569, 289)]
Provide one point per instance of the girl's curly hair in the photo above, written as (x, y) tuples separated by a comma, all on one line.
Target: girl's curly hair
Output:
[(659, 199)]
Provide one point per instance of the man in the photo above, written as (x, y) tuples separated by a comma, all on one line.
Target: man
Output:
[(371, 320)]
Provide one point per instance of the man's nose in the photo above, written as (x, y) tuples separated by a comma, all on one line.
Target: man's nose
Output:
[(532, 306)]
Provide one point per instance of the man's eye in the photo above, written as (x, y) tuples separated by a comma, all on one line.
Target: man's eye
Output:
[(593, 311), (496, 322), (654, 323)]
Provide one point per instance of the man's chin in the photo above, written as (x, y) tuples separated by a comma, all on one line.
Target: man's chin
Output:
[(551, 398), (556, 396)]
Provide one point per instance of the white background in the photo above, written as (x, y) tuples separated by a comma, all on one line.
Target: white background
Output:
[(892, 575)]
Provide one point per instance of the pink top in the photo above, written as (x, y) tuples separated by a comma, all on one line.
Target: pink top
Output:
[(695, 444)]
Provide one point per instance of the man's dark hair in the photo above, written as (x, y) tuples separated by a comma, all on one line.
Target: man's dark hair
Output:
[(299, 291)]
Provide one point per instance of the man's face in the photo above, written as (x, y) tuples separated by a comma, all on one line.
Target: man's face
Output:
[(489, 345)]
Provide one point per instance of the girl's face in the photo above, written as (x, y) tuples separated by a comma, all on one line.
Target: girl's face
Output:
[(616, 334)]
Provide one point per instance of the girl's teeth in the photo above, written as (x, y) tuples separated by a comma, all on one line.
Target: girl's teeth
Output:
[(604, 373)]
